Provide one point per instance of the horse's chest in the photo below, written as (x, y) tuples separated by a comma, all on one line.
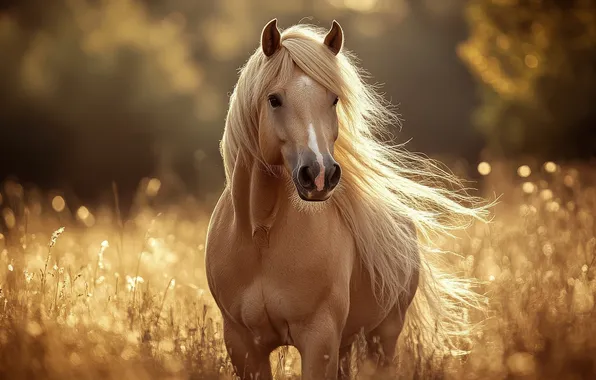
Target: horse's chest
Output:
[(265, 288)]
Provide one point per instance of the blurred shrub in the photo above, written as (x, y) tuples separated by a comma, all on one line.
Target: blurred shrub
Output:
[(93, 91), (535, 61)]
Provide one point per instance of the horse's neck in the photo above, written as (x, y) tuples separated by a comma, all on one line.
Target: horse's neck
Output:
[(256, 198)]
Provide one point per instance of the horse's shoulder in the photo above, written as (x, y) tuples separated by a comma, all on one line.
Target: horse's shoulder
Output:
[(221, 218), (223, 205)]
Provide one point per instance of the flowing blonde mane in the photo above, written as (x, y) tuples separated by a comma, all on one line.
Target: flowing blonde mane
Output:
[(387, 192)]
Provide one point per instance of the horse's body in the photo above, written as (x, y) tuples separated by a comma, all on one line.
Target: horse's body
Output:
[(293, 255), (305, 288)]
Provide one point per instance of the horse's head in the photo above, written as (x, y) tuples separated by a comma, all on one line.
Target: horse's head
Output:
[(298, 124)]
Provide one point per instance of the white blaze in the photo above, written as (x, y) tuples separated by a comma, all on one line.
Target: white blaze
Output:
[(306, 80), (314, 146)]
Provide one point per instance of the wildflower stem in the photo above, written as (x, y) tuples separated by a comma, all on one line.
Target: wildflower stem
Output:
[(44, 277), (57, 287), (163, 301), (119, 221), (593, 258), (134, 289), (95, 272)]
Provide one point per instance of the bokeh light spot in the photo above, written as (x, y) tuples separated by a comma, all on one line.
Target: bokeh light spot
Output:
[(58, 203), (85, 216), (503, 42), (521, 364), (550, 167), (524, 171), (531, 61), (528, 187), (553, 206), (546, 194), (75, 359), (568, 180), (83, 213), (153, 187), (484, 168), (34, 329), (9, 218)]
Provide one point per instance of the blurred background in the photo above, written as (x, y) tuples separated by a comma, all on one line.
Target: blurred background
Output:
[(107, 282), (96, 92)]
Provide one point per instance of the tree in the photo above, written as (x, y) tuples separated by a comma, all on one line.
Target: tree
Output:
[(92, 92), (536, 63)]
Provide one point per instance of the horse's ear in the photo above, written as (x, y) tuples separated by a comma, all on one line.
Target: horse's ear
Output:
[(270, 38), (335, 38)]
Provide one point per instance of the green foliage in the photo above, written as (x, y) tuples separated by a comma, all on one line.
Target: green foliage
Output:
[(536, 62), (111, 84)]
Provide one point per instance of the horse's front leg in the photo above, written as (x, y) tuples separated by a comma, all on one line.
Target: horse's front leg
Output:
[(345, 363), (250, 360), (318, 342), (382, 341)]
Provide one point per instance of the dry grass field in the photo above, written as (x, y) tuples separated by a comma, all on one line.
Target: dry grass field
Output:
[(85, 295)]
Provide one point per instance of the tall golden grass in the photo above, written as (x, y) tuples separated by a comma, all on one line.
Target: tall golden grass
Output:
[(86, 295)]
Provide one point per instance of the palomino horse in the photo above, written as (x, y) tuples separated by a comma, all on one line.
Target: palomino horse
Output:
[(317, 236)]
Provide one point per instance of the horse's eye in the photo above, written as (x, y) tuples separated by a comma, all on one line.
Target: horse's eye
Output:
[(275, 101), (335, 101)]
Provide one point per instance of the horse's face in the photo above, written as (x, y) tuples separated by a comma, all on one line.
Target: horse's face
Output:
[(298, 123), (298, 129)]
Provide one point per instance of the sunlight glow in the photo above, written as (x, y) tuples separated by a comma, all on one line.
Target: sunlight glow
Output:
[(360, 5), (123, 292)]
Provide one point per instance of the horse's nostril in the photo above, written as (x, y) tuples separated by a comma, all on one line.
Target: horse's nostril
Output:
[(335, 175), (306, 177)]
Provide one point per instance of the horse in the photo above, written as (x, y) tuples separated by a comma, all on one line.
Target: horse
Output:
[(320, 233)]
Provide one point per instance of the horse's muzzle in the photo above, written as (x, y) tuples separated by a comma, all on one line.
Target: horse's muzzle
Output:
[(315, 182)]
